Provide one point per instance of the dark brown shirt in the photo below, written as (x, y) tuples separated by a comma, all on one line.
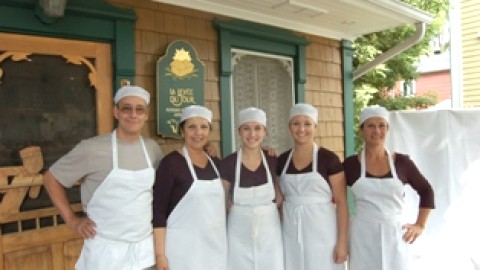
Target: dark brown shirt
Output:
[(248, 178), (406, 171), (173, 180), (328, 164)]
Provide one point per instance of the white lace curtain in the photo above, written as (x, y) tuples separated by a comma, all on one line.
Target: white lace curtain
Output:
[(265, 82)]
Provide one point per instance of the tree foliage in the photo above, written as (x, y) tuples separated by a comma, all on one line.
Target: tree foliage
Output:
[(371, 87), (402, 66)]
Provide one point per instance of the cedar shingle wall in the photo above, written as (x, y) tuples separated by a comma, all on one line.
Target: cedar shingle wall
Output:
[(160, 24)]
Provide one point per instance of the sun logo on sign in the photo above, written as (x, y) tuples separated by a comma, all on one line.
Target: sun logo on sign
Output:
[(181, 67)]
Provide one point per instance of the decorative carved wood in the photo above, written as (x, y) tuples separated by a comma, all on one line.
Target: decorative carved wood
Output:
[(49, 245), (25, 179), (72, 59)]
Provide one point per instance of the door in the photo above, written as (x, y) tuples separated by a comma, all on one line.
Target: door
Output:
[(53, 93), (264, 81)]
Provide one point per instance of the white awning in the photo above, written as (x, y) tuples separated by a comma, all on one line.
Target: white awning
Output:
[(336, 19)]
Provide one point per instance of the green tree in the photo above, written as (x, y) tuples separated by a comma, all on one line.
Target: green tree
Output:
[(371, 88), (402, 66)]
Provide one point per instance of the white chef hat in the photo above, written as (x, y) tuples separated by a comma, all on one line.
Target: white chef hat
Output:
[(131, 91), (252, 114), (196, 111), (304, 109), (373, 111)]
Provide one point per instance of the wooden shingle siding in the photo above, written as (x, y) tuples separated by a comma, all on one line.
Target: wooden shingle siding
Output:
[(470, 27), (159, 24)]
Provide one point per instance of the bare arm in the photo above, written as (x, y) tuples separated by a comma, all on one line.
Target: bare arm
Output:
[(160, 255), (226, 188), (413, 231), (339, 191), (82, 225), (278, 192)]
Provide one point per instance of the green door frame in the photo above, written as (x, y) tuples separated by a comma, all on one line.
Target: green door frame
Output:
[(260, 38), (91, 20)]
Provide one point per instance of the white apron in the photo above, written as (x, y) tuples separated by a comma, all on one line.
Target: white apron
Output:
[(310, 220), (196, 235), (376, 229), (121, 207), (254, 230)]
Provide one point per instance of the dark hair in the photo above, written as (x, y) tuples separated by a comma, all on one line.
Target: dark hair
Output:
[(182, 125)]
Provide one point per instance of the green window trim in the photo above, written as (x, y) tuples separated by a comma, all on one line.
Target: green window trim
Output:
[(92, 20), (260, 38)]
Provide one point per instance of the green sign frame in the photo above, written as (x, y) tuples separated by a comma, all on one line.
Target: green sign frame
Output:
[(180, 83)]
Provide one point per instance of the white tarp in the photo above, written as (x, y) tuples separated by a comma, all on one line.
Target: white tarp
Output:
[(445, 145)]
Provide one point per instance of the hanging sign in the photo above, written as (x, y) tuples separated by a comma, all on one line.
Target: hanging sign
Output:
[(180, 83)]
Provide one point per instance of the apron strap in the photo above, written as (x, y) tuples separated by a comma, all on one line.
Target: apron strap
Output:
[(190, 164), (239, 166), (363, 167), (314, 159), (115, 151)]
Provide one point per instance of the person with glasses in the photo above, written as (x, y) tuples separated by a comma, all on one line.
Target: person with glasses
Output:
[(189, 214), (116, 174)]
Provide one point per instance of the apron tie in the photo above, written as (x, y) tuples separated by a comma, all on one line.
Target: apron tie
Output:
[(299, 210), (131, 256)]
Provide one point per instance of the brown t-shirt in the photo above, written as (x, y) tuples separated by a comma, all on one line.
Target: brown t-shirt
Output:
[(172, 181), (328, 164), (247, 178), (91, 161), (406, 171)]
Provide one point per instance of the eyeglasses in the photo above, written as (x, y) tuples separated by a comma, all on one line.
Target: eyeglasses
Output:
[(139, 110)]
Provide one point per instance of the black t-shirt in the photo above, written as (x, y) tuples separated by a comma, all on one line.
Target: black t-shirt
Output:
[(172, 181), (406, 171), (328, 164)]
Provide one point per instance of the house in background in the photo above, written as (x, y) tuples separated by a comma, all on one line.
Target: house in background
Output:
[(59, 71), (465, 53), (435, 76), (434, 79), (454, 74)]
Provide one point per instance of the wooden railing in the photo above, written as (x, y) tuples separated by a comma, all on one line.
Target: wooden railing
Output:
[(34, 239)]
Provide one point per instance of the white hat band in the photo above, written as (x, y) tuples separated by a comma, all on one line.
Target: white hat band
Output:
[(373, 111), (196, 111), (304, 109), (252, 114), (131, 91)]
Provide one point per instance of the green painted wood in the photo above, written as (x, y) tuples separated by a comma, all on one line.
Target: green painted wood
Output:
[(260, 38), (91, 20), (348, 97), (348, 109)]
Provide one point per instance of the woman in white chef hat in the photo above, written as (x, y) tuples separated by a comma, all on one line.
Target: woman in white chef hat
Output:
[(315, 212), (378, 239), (189, 215), (254, 230)]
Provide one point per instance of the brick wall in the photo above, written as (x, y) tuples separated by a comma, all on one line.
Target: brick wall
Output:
[(159, 24)]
